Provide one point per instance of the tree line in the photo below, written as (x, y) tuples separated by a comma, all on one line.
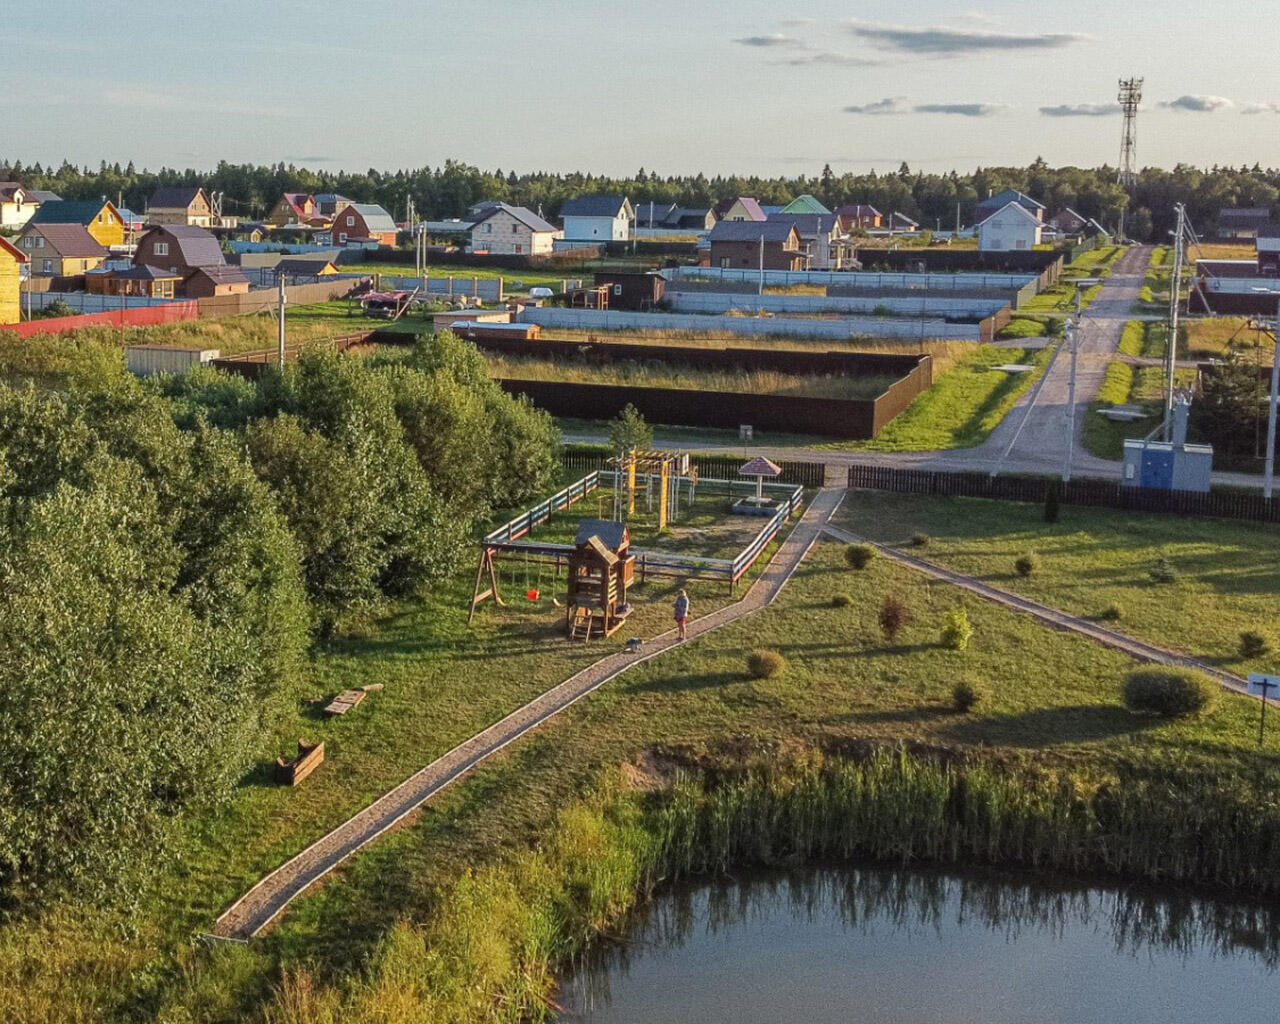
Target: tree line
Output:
[(932, 199), (170, 549)]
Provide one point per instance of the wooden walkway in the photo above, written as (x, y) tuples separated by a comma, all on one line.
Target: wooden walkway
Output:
[(1054, 617), (267, 900)]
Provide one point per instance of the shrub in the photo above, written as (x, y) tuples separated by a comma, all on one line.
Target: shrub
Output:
[(630, 430), (1112, 613), (1025, 565), (881, 310), (1168, 692), (956, 630), (1020, 327), (859, 556), (765, 664), (965, 696), (919, 540), (1162, 571), (841, 601), (893, 616), (1253, 644)]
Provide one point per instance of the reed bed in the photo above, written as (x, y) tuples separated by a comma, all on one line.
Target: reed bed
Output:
[(490, 948), (655, 374)]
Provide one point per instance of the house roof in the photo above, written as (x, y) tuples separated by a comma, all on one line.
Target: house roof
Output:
[(1244, 213), (896, 219), (1010, 195), (376, 219), (1017, 206), (221, 274), (329, 197), (144, 272), (13, 250), (610, 533), (301, 265), (41, 195), (8, 188), (760, 466), (174, 197), (69, 240), (197, 246), (773, 230), (596, 206), (661, 213), (808, 223), (525, 216), (1271, 229), (62, 211), (858, 210), (1066, 211), (805, 204), (751, 207)]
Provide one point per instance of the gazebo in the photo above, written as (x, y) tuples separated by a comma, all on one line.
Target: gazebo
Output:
[(758, 504)]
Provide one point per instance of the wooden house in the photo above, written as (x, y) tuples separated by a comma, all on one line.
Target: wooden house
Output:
[(859, 217), (1010, 228), (746, 244), (739, 208), (361, 223), (61, 250), (601, 567), (17, 205), (999, 200), (148, 282), (293, 208), (100, 219), (181, 204), (11, 260), (638, 292), (593, 219)]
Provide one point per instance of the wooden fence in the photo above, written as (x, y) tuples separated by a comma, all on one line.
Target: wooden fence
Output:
[(803, 474), (1224, 504)]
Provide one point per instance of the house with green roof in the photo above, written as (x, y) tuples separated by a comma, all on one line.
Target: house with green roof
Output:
[(805, 204), (99, 217)]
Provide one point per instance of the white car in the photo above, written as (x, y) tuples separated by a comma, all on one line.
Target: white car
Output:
[(540, 292)]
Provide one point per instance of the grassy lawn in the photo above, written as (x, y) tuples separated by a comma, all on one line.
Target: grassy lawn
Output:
[(1215, 337), (1228, 572), (551, 279), (962, 408), (1054, 697), (1060, 298)]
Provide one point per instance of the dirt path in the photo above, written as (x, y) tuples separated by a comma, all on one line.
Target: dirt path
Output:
[(267, 900), (1139, 649)]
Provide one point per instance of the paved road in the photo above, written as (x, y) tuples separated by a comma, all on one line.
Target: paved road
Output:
[(269, 898)]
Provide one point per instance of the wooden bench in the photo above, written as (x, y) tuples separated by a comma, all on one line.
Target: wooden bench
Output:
[(310, 755)]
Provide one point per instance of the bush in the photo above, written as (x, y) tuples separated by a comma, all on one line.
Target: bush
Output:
[(1169, 692), (919, 540), (956, 630), (1020, 327), (965, 696), (1112, 613), (859, 556), (629, 431), (765, 664), (1162, 571), (893, 616), (1253, 644), (841, 601), (1025, 565)]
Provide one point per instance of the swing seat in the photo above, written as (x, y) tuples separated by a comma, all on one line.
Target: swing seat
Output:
[(532, 593)]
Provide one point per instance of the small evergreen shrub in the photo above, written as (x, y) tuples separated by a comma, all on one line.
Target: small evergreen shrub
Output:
[(1025, 565), (1112, 613), (1253, 644), (841, 601), (1162, 571), (1051, 505), (920, 540), (893, 616), (859, 556), (966, 695), (956, 630), (1168, 692), (764, 664)]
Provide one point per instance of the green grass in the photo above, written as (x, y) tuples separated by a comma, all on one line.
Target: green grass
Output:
[(962, 408), (1055, 698), (1228, 572), (1104, 437), (1132, 339), (529, 278)]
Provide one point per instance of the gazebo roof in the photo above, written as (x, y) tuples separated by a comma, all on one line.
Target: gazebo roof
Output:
[(760, 466)]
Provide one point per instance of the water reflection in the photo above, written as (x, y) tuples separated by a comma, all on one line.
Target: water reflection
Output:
[(879, 946)]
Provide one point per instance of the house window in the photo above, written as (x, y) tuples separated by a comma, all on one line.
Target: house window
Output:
[(162, 248), (725, 263), (47, 267), (342, 238), (111, 218), (28, 242), (519, 248), (488, 228), (515, 228), (351, 222)]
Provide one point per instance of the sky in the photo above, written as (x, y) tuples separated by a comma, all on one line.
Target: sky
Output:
[(609, 86)]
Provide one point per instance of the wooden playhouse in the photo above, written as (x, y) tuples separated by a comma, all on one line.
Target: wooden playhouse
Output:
[(600, 571)]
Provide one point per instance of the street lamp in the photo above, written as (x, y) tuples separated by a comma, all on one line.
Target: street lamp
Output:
[(1073, 335), (1269, 466)]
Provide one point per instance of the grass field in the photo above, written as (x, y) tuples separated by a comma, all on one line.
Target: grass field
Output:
[(1054, 699), (1215, 337), (654, 374), (1228, 572)]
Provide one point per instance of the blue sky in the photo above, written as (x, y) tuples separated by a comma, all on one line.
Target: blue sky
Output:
[(756, 86)]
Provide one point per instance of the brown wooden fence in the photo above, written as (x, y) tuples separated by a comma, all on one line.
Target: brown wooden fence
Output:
[(1224, 504), (714, 467)]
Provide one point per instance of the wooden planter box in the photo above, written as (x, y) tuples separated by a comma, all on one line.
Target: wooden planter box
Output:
[(310, 755)]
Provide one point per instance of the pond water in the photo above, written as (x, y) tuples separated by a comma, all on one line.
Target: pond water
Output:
[(913, 947)]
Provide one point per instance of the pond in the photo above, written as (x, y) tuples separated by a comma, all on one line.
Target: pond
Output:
[(822, 946)]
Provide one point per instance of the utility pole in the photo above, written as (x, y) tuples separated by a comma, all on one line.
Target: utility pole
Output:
[(280, 300), (1171, 347), (760, 288), (1129, 97), (1270, 465), (1073, 329)]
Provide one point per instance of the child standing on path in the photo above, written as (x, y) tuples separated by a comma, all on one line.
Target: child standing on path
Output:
[(682, 612)]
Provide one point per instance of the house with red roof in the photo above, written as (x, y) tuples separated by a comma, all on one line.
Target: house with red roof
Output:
[(294, 208)]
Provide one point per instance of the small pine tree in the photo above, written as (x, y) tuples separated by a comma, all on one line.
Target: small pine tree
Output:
[(630, 430), (1051, 504), (956, 630)]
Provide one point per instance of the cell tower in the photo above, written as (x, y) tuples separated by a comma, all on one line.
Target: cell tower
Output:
[(1130, 96)]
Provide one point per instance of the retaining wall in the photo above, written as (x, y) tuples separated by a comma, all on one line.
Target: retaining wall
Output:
[(264, 299), (924, 304), (858, 279)]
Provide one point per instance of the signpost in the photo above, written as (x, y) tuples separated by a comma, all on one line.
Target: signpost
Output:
[(1263, 686)]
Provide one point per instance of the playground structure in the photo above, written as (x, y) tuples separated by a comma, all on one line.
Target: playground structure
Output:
[(514, 540), (601, 567), (669, 467)]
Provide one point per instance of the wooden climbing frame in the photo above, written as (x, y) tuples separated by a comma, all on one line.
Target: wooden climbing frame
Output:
[(478, 596)]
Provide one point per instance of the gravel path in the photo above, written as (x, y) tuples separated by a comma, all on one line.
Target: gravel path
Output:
[(267, 900), (1139, 649)]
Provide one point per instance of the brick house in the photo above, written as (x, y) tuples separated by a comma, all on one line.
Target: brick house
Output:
[(513, 230), (744, 244), (363, 222)]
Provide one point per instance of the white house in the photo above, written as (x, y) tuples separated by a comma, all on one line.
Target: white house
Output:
[(16, 205), (597, 219), (513, 230), (1013, 226)]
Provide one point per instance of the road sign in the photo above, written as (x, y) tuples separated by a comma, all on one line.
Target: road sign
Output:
[(1261, 685)]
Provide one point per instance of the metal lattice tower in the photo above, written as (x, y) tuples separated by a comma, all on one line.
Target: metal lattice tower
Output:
[(1130, 96)]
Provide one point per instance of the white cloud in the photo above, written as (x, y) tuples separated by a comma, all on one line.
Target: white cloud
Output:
[(962, 109), (1199, 104), (1081, 110), (1260, 108), (950, 42), (888, 105), (770, 40)]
